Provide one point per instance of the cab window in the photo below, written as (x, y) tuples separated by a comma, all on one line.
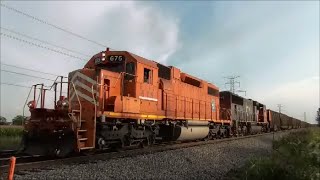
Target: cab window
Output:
[(130, 71), (147, 75)]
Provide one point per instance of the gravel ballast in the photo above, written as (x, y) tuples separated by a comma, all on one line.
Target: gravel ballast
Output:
[(210, 161)]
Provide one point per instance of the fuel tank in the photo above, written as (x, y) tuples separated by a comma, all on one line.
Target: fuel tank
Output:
[(256, 129), (190, 133), (197, 123)]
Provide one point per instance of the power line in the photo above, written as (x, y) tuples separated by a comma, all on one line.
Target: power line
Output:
[(41, 46), (42, 41), (29, 69), (26, 75), (52, 25), (33, 77), (18, 85), (245, 92)]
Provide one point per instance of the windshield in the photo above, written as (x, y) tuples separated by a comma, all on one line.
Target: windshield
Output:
[(112, 67)]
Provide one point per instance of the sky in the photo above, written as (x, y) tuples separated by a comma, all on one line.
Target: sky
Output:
[(272, 45)]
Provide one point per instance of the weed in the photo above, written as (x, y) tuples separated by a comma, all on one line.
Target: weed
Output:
[(294, 157)]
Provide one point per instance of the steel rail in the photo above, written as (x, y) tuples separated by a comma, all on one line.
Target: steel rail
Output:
[(52, 163)]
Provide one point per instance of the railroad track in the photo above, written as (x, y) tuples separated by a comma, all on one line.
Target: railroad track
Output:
[(41, 163), (7, 153), (20, 159)]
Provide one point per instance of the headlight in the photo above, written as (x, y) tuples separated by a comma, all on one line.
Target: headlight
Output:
[(31, 104), (65, 103)]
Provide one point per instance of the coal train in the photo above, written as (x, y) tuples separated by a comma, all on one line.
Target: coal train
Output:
[(120, 99)]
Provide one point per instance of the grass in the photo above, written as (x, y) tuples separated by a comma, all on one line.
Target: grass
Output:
[(10, 137), (9, 143), (294, 157), (10, 131)]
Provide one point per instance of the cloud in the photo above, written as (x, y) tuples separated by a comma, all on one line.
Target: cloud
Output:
[(296, 96), (270, 45), (139, 28), (142, 30), (129, 26)]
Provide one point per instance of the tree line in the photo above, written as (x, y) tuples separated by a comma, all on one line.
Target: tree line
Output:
[(15, 121)]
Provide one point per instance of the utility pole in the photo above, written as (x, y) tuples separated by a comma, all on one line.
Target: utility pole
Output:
[(232, 82), (280, 106), (305, 116)]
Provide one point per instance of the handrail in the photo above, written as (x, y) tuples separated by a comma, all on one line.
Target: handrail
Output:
[(38, 99), (114, 85), (24, 106), (75, 91), (95, 102), (53, 83), (35, 89), (95, 109)]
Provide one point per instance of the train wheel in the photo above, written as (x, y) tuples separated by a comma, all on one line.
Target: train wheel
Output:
[(209, 137), (228, 132), (150, 140), (143, 144), (224, 135)]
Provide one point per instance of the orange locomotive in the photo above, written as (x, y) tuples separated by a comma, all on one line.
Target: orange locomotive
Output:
[(121, 99)]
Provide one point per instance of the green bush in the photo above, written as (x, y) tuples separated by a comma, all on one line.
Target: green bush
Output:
[(294, 157)]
